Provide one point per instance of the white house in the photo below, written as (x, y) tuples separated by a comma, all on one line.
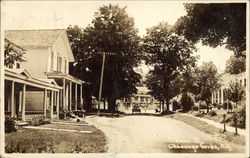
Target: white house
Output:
[(49, 53), (218, 95), (141, 99)]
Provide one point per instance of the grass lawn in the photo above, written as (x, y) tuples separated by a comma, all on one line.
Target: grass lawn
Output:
[(216, 118), (45, 141), (203, 126)]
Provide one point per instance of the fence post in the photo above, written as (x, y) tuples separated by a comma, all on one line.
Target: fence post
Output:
[(224, 121), (235, 123)]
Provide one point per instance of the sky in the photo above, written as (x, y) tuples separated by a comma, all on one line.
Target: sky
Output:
[(61, 14)]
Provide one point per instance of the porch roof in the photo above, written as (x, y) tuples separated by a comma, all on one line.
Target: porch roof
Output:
[(60, 75), (22, 76)]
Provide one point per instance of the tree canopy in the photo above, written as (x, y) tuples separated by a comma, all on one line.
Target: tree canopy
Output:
[(11, 55), (235, 65), (215, 25), (169, 54), (113, 31), (206, 80), (235, 92)]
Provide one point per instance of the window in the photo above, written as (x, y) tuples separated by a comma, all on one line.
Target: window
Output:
[(17, 65), (59, 63), (245, 82), (240, 82), (52, 60), (142, 99), (136, 98), (65, 66)]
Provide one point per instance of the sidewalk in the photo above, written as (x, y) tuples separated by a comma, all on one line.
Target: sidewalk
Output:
[(220, 125)]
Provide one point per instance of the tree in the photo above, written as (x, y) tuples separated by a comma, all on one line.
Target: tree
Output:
[(206, 80), (186, 84), (11, 55), (112, 30), (235, 92), (215, 25), (235, 65), (169, 54)]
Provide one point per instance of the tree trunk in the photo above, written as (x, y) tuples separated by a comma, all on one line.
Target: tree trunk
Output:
[(162, 105), (167, 104), (104, 104), (111, 104), (207, 107)]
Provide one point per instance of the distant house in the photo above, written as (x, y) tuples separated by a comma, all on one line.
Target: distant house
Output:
[(218, 95), (141, 99), (49, 53)]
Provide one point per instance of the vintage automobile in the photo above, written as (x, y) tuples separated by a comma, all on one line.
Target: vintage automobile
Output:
[(136, 109)]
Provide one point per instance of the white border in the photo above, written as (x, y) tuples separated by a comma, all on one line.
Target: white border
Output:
[(125, 155)]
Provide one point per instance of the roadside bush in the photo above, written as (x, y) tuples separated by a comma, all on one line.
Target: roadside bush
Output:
[(241, 116), (213, 113), (219, 106), (10, 125), (175, 105), (200, 114), (39, 120)]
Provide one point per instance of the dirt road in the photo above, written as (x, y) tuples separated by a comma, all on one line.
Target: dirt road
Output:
[(152, 134)]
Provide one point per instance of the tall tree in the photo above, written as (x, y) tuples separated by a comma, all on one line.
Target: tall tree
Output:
[(206, 80), (235, 65), (215, 25), (235, 92), (169, 54), (113, 31)]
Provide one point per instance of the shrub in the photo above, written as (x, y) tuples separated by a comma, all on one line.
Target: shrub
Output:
[(10, 125), (219, 106), (39, 120), (213, 113), (175, 105), (241, 117), (214, 105)]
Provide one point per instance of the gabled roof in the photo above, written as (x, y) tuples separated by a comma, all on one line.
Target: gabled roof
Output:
[(34, 38)]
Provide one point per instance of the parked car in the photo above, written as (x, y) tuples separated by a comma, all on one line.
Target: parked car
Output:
[(136, 109)]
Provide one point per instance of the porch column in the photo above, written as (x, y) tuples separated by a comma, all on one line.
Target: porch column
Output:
[(81, 100), (75, 96), (12, 97), (212, 97), (222, 97), (63, 95), (51, 104), (23, 103), (67, 97), (70, 96), (44, 102), (57, 104)]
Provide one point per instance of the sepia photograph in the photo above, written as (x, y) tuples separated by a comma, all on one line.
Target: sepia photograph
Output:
[(124, 79)]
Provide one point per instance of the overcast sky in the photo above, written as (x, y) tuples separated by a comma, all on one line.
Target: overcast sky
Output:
[(61, 14)]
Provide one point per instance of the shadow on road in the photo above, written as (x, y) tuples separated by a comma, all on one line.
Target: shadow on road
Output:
[(122, 114)]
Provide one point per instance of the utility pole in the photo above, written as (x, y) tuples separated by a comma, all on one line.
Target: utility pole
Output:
[(100, 88), (101, 80)]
